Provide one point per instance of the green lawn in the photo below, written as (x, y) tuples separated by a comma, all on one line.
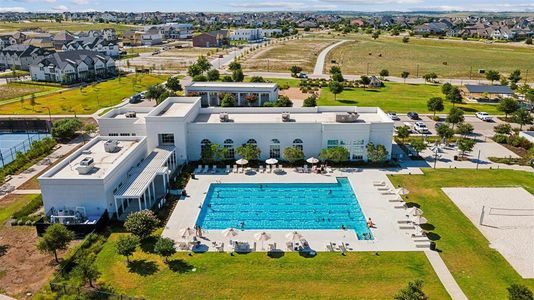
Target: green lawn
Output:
[(13, 203), (398, 97), (449, 59), (17, 73), (256, 276), (86, 100), (481, 272)]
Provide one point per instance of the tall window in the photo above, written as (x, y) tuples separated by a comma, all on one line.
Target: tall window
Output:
[(274, 148), (297, 143), (205, 149), (332, 143), (230, 151), (166, 139)]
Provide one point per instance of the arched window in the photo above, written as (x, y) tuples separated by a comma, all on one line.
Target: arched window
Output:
[(274, 148), (297, 143), (205, 149), (230, 151), (252, 141)]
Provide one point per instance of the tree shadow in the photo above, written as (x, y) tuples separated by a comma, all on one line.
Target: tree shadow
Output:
[(179, 266), (433, 236), (348, 101), (142, 267), (148, 243), (276, 254), (428, 227), (413, 204)]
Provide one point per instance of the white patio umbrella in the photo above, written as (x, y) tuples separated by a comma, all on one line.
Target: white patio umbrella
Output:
[(418, 220), (294, 236), (271, 161), (403, 191), (186, 232), (415, 211), (312, 160), (262, 236), (229, 232), (241, 161)]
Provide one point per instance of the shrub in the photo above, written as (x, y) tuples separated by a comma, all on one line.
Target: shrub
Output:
[(500, 138), (519, 141), (310, 101), (504, 128), (519, 292), (29, 208), (200, 78), (66, 129)]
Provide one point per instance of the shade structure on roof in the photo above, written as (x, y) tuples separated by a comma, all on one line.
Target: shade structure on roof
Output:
[(229, 232), (271, 161), (403, 191), (419, 220), (312, 160), (241, 161), (186, 232), (294, 236)]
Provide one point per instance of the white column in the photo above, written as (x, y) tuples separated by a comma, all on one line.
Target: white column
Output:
[(116, 207), (153, 192), (238, 99), (165, 182), (209, 98), (148, 196), (139, 200)]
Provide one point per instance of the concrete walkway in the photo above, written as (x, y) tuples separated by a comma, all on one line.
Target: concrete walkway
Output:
[(319, 64), (445, 276)]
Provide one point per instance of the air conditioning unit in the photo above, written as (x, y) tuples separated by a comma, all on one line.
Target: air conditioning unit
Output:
[(349, 117), (286, 117), (111, 146), (223, 117), (130, 114), (86, 165)]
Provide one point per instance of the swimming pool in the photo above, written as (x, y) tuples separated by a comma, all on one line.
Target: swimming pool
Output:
[(287, 206)]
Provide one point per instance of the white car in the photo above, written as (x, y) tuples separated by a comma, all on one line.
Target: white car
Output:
[(393, 116), (484, 116), (421, 127)]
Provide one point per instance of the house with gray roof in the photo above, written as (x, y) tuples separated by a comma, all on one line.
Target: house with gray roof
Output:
[(73, 66), (21, 57), (96, 44), (479, 92)]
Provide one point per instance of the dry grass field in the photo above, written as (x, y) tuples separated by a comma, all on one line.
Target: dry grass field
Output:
[(172, 59)]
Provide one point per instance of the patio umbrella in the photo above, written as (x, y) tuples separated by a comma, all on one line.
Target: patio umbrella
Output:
[(241, 161), (186, 232), (294, 236), (271, 161), (416, 211), (418, 220), (263, 236), (402, 191), (229, 232), (312, 160)]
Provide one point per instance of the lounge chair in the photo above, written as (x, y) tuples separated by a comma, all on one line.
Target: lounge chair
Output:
[(240, 170), (227, 169), (289, 246), (388, 192), (214, 169), (379, 183), (329, 170), (234, 169), (271, 247), (206, 169), (342, 247), (198, 170), (383, 188), (261, 169), (329, 247), (219, 247), (306, 169), (279, 167)]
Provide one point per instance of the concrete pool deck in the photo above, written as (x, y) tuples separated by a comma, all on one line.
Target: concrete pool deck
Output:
[(387, 236)]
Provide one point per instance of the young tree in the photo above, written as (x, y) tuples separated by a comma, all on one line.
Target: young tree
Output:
[(365, 80), (85, 268), (203, 64), (522, 117), (335, 87), (464, 129), (66, 129), (503, 128), (311, 101), (141, 223), (515, 76), (238, 76), (228, 100), (414, 291), (445, 132), (403, 132), (466, 145), (456, 115), (435, 104), (338, 77), (257, 79), (418, 145), (405, 39), (335, 154), (519, 292), (56, 237), (233, 66), (508, 106), (90, 129), (384, 73), (165, 248), (213, 75), (249, 152), (126, 245), (21, 100), (194, 70), (32, 101), (454, 95), (405, 75), (173, 84), (335, 70), (376, 153), (295, 70), (446, 88), (293, 154), (155, 91), (283, 101), (375, 35), (430, 77), (493, 75)]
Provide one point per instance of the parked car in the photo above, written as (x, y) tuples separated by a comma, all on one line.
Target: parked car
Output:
[(302, 75), (413, 115), (437, 124), (484, 116), (136, 99), (393, 116), (420, 127)]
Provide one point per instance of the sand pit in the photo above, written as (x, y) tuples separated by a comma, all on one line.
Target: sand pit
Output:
[(507, 221)]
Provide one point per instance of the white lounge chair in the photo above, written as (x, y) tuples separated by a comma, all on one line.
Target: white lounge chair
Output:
[(240, 170), (183, 246), (271, 247), (234, 169), (206, 169), (329, 247), (383, 188), (198, 169), (279, 167), (261, 169), (379, 183), (227, 169), (214, 169), (306, 169)]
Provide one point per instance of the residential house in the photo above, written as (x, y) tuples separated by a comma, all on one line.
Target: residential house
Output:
[(62, 38), (99, 45), (6, 41), (21, 56), (217, 38), (246, 34)]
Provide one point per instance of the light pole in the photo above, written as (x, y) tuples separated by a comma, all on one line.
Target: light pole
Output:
[(49, 114)]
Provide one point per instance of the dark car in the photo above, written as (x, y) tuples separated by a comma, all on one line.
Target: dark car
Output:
[(136, 99), (437, 124), (413, 115)]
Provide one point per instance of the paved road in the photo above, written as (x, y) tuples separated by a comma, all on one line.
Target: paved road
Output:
[(221, 63), (484, 129), (319, 64)]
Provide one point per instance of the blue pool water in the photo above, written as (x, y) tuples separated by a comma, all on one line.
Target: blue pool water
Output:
[(283, 206)]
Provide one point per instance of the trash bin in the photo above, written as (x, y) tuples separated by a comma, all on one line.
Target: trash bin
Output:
[(456, 157), (433, 246)]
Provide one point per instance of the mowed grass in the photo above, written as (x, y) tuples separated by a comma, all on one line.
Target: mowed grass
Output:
[(447, 58), (291, 82), (256, 276), (13, 203), (397, 97), (15, 90), (279, 58), (86, 100), (481, 271), (65, 25)]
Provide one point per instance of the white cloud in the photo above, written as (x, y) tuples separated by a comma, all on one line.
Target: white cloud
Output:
[(13, 9), (80, 2), (60, 8), (282, 5)]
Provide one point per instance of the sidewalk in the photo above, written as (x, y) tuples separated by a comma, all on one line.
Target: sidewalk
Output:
[(319, 64), (445, 275)]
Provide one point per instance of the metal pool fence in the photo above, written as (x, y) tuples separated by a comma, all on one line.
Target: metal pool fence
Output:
[(12, 143)]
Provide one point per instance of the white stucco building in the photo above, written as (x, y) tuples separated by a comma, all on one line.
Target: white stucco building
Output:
[(211, 92)]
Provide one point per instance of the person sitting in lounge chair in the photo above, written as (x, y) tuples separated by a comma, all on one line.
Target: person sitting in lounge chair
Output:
[(370, 223)]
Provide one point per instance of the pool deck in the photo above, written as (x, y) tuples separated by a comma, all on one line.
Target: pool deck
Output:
[(387, 234)]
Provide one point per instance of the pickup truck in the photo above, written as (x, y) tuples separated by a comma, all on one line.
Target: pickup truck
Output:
[(484, 116)]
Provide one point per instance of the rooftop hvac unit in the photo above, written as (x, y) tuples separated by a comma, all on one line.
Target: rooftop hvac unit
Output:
[(111, 146), (130, 114), (86, 165), (87, 151), (286, 117), (223, 117), (349, 117)]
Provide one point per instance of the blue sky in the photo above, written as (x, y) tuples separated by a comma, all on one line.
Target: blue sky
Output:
[(264, 5)]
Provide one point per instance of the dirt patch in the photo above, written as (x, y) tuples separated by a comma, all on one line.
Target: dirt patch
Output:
[(297, 96), (23, 268)]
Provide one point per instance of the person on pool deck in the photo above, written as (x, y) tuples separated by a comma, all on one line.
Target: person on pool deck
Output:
[(343, 227), (370, 223)]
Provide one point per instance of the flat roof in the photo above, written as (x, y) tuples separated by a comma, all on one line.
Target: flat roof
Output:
[(490, 89), (305, 117), (241, 85), (104, 161), (176, 109)]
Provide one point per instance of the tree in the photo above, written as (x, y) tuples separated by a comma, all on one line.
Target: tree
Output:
[(503, 128), (85, 267), (90, 129), (403, 132), (464, 129), (238, 76), (212, 152), (335, 70), (295, 70), (466, 145), (376, 153), (293, 154), (338, 77), (454, 95), (173, 84), (430, 77), (126, 245), (257, 79), (155, 91), (435, 104), (336, 88), (311, 101), (249, 151), (528, 41), (414, 291), (508, 106), (165, 248), (227, 78), (515, 76), (66, 129), (405, 39), (493, 75), (194, 70), (335, 154), (56, 237), (233, 66), (164, 96), (456, 115), (446, 88), (529, 96), (141, 223), (445, 132), (228, 100), (365, 80), (283, 101), (522, 117), (405, 75), (418, 145), (200, 78), (203, 64), (384, 73), (375, 35), (213, 75), (519, 292)]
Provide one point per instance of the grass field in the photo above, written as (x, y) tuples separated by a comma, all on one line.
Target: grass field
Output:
[(256, 276), (15, 90), (10, 73), (86, 100), (481, 271), (397, 97), (279, 58), (13, 203), (291, 82), (430, 55), (70, 26)]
